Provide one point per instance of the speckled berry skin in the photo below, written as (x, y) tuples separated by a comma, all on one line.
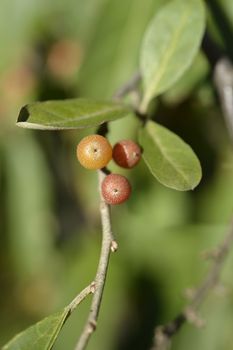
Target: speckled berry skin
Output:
[(94, 152), (116, 189), (126, 153)]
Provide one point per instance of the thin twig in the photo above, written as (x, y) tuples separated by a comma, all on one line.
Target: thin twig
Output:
[(129, 86), (108, 242), (108, 245), (81, 296), (164, 334), (223, 79), (222, 70)]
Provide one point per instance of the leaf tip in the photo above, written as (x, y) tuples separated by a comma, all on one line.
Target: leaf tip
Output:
[(23, 115)]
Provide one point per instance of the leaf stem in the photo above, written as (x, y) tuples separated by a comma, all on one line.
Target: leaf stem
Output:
[(81, 296)]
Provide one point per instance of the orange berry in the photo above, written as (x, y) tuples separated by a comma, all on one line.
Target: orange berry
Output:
[(126, 153), (116, 189), (94, 152)]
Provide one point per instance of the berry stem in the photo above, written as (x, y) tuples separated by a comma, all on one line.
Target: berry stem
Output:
[(108, 245)]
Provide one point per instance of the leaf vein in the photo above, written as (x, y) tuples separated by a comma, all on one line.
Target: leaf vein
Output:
[(157, 76), (166, 155), (79, 118)]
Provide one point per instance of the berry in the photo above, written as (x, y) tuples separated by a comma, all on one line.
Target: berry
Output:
[(116, 189), (94, 152), (126, 153)]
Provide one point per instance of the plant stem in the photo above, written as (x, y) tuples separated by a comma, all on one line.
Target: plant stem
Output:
[(108, 245), (222, 71), (108, 242), (81, 296), (164, 334), (128, 87), (223, 79)]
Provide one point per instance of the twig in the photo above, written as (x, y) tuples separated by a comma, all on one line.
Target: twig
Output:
[(222, 69), (129, 86), (163, 334), (223, 79), (108, 242), (81, 296), (108, 245)]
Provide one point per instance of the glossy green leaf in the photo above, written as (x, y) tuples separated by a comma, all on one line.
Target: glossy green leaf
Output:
[(169, 158), (170, 45), (40, 336), (70, 114)]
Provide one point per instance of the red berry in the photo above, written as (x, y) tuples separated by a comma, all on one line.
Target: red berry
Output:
[(116, 189), (94, 152), (126, 153)]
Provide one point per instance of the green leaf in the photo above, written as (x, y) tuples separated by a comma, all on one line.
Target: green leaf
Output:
[(112, 56), (193, 78), (169, 158), (170, 45), (70, 114), (40, 336)]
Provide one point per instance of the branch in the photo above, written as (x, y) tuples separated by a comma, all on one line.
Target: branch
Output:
[(108, 242), (81, 296), (223, 79), (129, 86), (164, 334), (108, 245), (222, 69)]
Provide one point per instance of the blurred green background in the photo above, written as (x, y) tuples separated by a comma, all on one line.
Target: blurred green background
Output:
[(49, 221)]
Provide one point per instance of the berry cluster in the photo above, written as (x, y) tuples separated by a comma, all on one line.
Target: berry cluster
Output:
[(95, 151)]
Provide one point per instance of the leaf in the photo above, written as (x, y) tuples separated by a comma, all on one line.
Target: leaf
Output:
[(170, 45), (112, 56), (169, 158), (193, 78), (40, 336), (70, 114)]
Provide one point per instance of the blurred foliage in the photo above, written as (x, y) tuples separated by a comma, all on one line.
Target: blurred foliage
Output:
[(49, 220)]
